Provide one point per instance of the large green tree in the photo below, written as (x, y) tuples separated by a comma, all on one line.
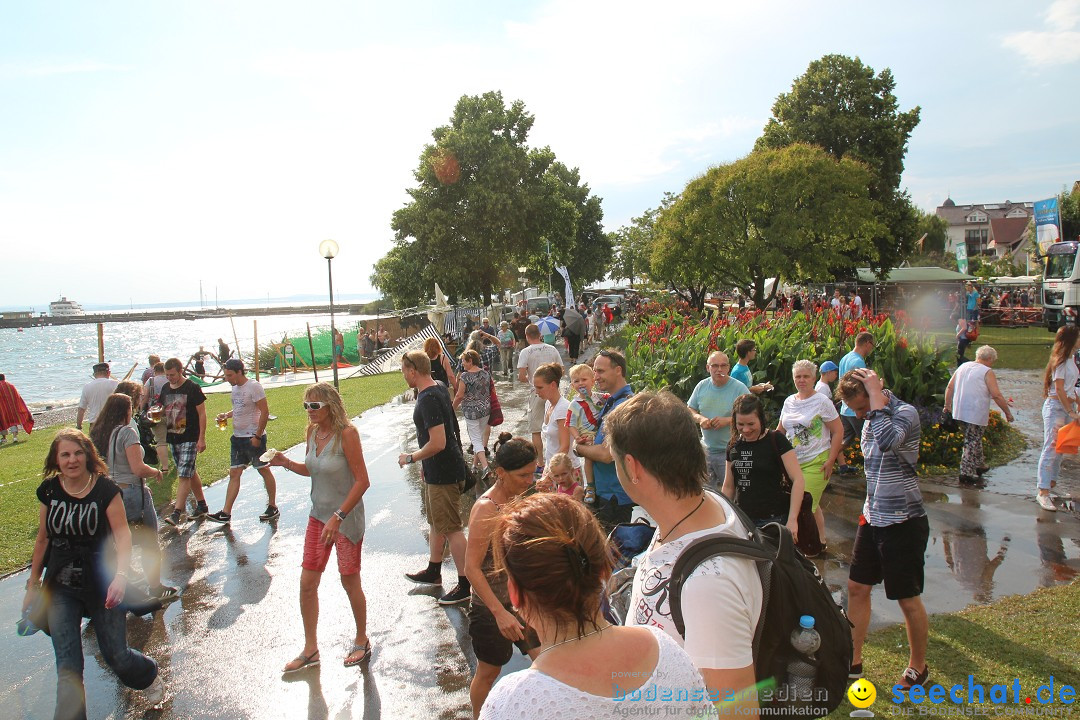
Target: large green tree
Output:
[(1069, 204), (934, 231), (485, 203), (633, 244), (841, 105), (792, 214)]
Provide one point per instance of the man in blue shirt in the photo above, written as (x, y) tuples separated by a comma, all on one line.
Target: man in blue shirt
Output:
[(971, 294), (746, 349), (711, 404), (613, 505), (864, 345)]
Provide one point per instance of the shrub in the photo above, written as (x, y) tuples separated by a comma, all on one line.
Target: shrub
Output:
[(668, 349)]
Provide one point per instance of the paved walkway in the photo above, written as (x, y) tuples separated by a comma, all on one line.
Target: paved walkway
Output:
[(222, 645)]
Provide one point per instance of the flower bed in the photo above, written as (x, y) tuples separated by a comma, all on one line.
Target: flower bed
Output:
[(668, 347)]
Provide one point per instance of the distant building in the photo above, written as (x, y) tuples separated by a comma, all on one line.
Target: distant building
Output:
[(998, 229), (16, 315)]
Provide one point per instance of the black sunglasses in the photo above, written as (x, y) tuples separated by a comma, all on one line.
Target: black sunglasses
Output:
[(314, 405)]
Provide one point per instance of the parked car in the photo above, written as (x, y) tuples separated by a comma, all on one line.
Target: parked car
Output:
[(611, 300), (538, 305)]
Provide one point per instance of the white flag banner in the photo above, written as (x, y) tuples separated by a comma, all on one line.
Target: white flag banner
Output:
[(569, 290)]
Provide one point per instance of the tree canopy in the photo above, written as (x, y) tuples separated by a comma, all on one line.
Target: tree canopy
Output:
[(633, 244), (791, 213), (485, 203), (840, 105)]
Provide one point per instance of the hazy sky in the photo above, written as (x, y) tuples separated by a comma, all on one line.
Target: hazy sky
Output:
[(147, 145)]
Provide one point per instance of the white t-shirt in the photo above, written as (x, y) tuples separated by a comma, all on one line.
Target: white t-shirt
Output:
[(94, 394), (533, 356), (551, 426), (804, 423), (721, 600), (1068, 372), (152, 388), (530, 693), (835, 302), (823, 388), (858, 305), (246, 415)]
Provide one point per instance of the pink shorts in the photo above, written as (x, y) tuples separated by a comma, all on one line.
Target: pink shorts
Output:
[(317, 553)]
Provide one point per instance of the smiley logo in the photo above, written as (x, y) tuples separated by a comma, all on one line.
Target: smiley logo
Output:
[(862, 693)]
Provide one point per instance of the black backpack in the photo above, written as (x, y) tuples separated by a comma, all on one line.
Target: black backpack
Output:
[(791, 587), (146, 439)]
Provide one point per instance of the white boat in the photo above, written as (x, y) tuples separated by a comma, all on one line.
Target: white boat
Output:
[(64, 307)]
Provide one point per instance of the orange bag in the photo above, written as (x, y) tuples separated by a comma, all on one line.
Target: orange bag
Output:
[(1068, 439)]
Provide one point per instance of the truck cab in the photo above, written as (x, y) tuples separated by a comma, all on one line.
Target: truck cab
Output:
[(1061, 285)]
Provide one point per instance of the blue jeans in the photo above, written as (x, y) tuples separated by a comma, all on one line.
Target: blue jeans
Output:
[(65, 623), (717, 464), (1054, 418)]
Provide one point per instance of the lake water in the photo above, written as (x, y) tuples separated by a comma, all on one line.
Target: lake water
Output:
[(49, 365)]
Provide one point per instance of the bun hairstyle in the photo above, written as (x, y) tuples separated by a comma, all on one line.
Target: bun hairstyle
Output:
[(549, 372), (553, 549), (513, 453)]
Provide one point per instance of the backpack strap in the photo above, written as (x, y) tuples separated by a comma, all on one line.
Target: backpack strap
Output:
[(751, 547)]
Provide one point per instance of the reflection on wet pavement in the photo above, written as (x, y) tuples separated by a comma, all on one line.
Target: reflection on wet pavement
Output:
[(222, 645)]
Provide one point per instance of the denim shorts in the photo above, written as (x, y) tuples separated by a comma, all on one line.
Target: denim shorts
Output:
[(139, 505), (243, 453)]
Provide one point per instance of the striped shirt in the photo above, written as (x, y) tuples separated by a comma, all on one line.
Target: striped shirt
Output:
[(890, 447)]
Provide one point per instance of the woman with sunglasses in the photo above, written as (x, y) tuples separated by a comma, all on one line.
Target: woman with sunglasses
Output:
[(339, 478)]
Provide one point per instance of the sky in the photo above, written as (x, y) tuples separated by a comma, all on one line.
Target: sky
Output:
[(148, 146)]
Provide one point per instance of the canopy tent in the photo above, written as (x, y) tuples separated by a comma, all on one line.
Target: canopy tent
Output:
[(913, 275), (1020, 280)]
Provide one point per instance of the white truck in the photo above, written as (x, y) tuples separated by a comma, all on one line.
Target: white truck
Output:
[(1061, 285)]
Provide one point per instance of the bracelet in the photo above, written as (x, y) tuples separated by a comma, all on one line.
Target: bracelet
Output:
[(340, 515), (30, 582), (121, 573)]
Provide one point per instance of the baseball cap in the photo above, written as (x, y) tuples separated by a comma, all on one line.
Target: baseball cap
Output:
[(234, 364), (828, 366)]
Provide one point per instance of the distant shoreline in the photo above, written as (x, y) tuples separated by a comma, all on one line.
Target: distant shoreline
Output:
[(60, 415), (29, 321)]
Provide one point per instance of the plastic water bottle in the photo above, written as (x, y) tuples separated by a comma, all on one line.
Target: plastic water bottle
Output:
[(801, 675)]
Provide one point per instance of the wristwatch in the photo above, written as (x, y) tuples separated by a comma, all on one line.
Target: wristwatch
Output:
[(340, 515), (408, 459)]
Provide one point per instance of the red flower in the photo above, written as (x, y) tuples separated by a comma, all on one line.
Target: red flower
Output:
[(902, 342)]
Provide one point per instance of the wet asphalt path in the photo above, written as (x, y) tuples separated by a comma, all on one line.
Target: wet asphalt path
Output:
[(222, 645)]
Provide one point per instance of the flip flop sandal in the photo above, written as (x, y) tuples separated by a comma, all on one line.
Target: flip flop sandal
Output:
[(306, 661), (355, 649)]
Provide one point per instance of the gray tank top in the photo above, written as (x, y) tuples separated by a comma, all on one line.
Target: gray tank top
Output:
[(331, 481)]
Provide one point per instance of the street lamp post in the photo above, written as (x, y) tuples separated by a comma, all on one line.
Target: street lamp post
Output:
[(329, 249), (523, 278)]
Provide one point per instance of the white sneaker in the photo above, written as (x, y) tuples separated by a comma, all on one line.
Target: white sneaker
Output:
[(1045, 502), (155, 694)]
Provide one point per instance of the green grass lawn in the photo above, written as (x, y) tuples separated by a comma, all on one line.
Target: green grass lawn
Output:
[(1019, 348), (1026, 637), (20, 465)]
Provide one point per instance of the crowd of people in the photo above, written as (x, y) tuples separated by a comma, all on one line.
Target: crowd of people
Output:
[(534, 562)]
